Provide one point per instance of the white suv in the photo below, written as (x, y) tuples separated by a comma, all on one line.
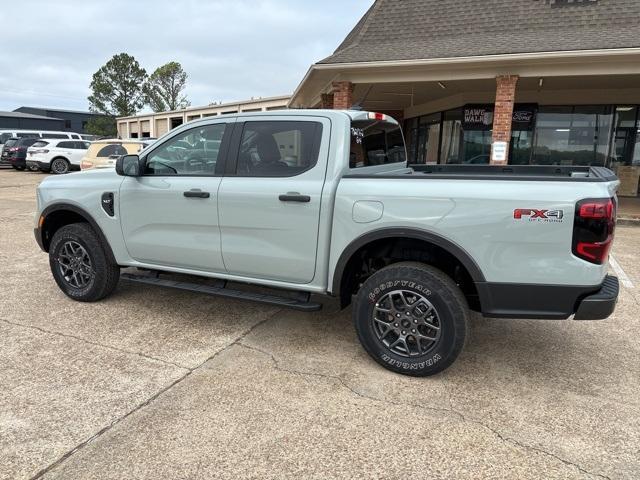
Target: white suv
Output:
[(56, 156)]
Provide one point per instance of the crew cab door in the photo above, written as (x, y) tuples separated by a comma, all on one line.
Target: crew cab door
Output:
[(169, 215), (270, 197)]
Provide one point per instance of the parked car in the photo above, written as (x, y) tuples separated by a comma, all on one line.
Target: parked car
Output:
[(5, 134), (414, 249), (56, 156), (103, 153), (14, 151)]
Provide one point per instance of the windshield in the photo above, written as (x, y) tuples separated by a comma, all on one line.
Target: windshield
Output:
[(11, 142), (375, 142)]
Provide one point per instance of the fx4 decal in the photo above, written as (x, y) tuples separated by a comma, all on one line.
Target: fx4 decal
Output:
[(534, 215)]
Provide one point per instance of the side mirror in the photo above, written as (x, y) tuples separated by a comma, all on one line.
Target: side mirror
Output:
[(129, 166)]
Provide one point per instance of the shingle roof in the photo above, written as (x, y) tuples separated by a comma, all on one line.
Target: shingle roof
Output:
[(424, 29)]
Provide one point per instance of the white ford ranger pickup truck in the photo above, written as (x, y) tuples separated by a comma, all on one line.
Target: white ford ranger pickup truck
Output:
[(322, 202)]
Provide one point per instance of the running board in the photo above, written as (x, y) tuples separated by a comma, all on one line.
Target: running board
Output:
[(297, 304)]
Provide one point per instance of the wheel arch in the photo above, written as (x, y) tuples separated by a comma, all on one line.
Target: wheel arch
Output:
[(57, 216), (389, 235), (60, 157)]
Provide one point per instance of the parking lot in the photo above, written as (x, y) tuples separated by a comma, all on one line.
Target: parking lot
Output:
[(153, 383)]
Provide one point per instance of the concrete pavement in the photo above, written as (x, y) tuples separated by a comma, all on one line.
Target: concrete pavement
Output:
[(152, 383)]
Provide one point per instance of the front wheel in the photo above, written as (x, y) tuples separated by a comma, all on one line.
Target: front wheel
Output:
[(411, 318), (80, 264), (59, 166)]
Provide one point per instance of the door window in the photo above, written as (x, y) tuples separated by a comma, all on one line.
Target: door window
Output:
[(66, 144), (192, 152), (278, 148)]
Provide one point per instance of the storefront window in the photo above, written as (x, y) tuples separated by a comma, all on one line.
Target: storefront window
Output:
[(451, 134), (423, 138), (572, 135), (477, 146), (625, 150), (521, 143)]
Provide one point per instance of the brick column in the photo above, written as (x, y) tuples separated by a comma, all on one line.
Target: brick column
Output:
[(326, 100), (342, 95), (503, 112)]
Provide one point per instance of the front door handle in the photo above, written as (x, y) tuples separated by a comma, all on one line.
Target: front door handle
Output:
[(294, 197), (196, 193)]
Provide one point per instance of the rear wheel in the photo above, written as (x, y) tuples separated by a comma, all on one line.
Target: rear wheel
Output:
[(59, 166), (80, 264), (411, 318)]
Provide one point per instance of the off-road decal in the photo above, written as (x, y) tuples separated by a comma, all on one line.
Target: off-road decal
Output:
[(380, 289)]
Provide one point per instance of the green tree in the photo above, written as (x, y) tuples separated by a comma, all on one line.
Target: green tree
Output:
[(103, 126), (117, 88), (164, 88)]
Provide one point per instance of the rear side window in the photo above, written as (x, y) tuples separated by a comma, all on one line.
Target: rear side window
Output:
[(54, 135), (77, 137), (375, 142), (4, 137), (11, 142), (109, 150), (40, 143), (27, 142), (278, 149), (27, 135)]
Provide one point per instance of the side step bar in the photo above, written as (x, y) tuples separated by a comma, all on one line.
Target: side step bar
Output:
[(297, 304)]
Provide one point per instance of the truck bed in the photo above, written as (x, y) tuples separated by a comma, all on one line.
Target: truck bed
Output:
[(550, 173)]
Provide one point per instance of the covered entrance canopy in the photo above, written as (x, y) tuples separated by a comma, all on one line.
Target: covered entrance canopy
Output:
[(548, 86)]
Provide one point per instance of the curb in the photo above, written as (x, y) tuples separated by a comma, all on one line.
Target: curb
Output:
[(628, 221)]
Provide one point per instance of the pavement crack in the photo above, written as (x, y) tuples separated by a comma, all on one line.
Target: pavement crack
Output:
[(451, 411), (97, 344), (148, 401)]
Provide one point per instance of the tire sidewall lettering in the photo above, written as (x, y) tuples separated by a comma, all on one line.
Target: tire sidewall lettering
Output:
[(379, 290)]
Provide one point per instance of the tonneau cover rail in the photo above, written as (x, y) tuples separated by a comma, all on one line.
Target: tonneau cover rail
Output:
[(553, 173)]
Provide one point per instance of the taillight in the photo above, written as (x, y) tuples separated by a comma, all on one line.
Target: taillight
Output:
[(593, 229)]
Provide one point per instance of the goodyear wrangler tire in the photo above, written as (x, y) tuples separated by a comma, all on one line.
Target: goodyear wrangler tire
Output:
[(80, 264), (411, 318)]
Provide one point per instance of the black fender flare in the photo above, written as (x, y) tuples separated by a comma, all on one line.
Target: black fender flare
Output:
[(417, 234), (56, 207)]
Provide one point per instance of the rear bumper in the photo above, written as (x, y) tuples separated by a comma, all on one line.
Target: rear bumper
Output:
[(600, 304), (44, 166), (511, 300), (15, 161)]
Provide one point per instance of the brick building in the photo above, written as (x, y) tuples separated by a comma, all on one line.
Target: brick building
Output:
[(558, 81)]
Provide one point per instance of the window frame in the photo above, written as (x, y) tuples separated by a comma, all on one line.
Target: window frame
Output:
[(236, 142), (229, 124)]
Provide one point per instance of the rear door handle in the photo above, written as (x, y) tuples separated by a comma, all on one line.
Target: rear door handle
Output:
[(294, 197), (196, 193)]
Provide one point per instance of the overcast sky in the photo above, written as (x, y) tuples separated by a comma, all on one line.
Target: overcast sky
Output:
[(231, 49)]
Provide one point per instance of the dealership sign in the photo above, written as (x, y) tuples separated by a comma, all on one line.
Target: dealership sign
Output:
[(480, 117)]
